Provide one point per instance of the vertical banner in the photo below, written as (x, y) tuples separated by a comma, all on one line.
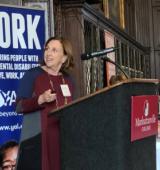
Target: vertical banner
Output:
[(22, 36)]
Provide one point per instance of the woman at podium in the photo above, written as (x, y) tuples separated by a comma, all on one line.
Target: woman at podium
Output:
[(44, 89)]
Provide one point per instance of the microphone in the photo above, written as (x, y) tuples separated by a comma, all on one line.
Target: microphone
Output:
[(87, 56)]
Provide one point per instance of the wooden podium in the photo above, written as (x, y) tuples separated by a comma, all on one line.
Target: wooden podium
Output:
[(95, 131)]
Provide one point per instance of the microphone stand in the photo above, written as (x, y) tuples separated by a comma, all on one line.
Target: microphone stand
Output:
[(110, 61)]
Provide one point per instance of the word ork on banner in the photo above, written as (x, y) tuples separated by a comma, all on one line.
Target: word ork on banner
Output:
[(19, 25)]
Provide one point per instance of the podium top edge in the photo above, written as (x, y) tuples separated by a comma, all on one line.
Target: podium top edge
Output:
[(156, 81), (137, 80), (128, 81)]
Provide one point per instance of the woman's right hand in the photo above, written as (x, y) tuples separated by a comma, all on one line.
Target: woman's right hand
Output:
[(46, 97)]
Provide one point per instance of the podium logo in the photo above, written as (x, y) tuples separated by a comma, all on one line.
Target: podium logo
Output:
[(8, 98), (146, 108)]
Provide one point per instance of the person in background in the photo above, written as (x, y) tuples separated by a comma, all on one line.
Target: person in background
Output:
[(116, 79), (46, 88), (8, 155)]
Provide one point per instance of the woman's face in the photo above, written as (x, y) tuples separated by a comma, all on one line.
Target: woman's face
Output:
[(54, 54)]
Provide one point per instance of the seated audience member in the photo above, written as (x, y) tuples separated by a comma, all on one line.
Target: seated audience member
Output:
[(8, 155), (116, 79)]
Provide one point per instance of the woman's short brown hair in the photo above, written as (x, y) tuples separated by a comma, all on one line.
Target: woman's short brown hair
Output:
[(67, 49)]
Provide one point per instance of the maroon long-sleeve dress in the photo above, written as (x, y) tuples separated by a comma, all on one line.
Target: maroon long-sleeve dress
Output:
[(40, 81)]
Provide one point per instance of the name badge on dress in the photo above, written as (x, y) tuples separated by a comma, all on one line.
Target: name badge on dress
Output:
[(65, 90)]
